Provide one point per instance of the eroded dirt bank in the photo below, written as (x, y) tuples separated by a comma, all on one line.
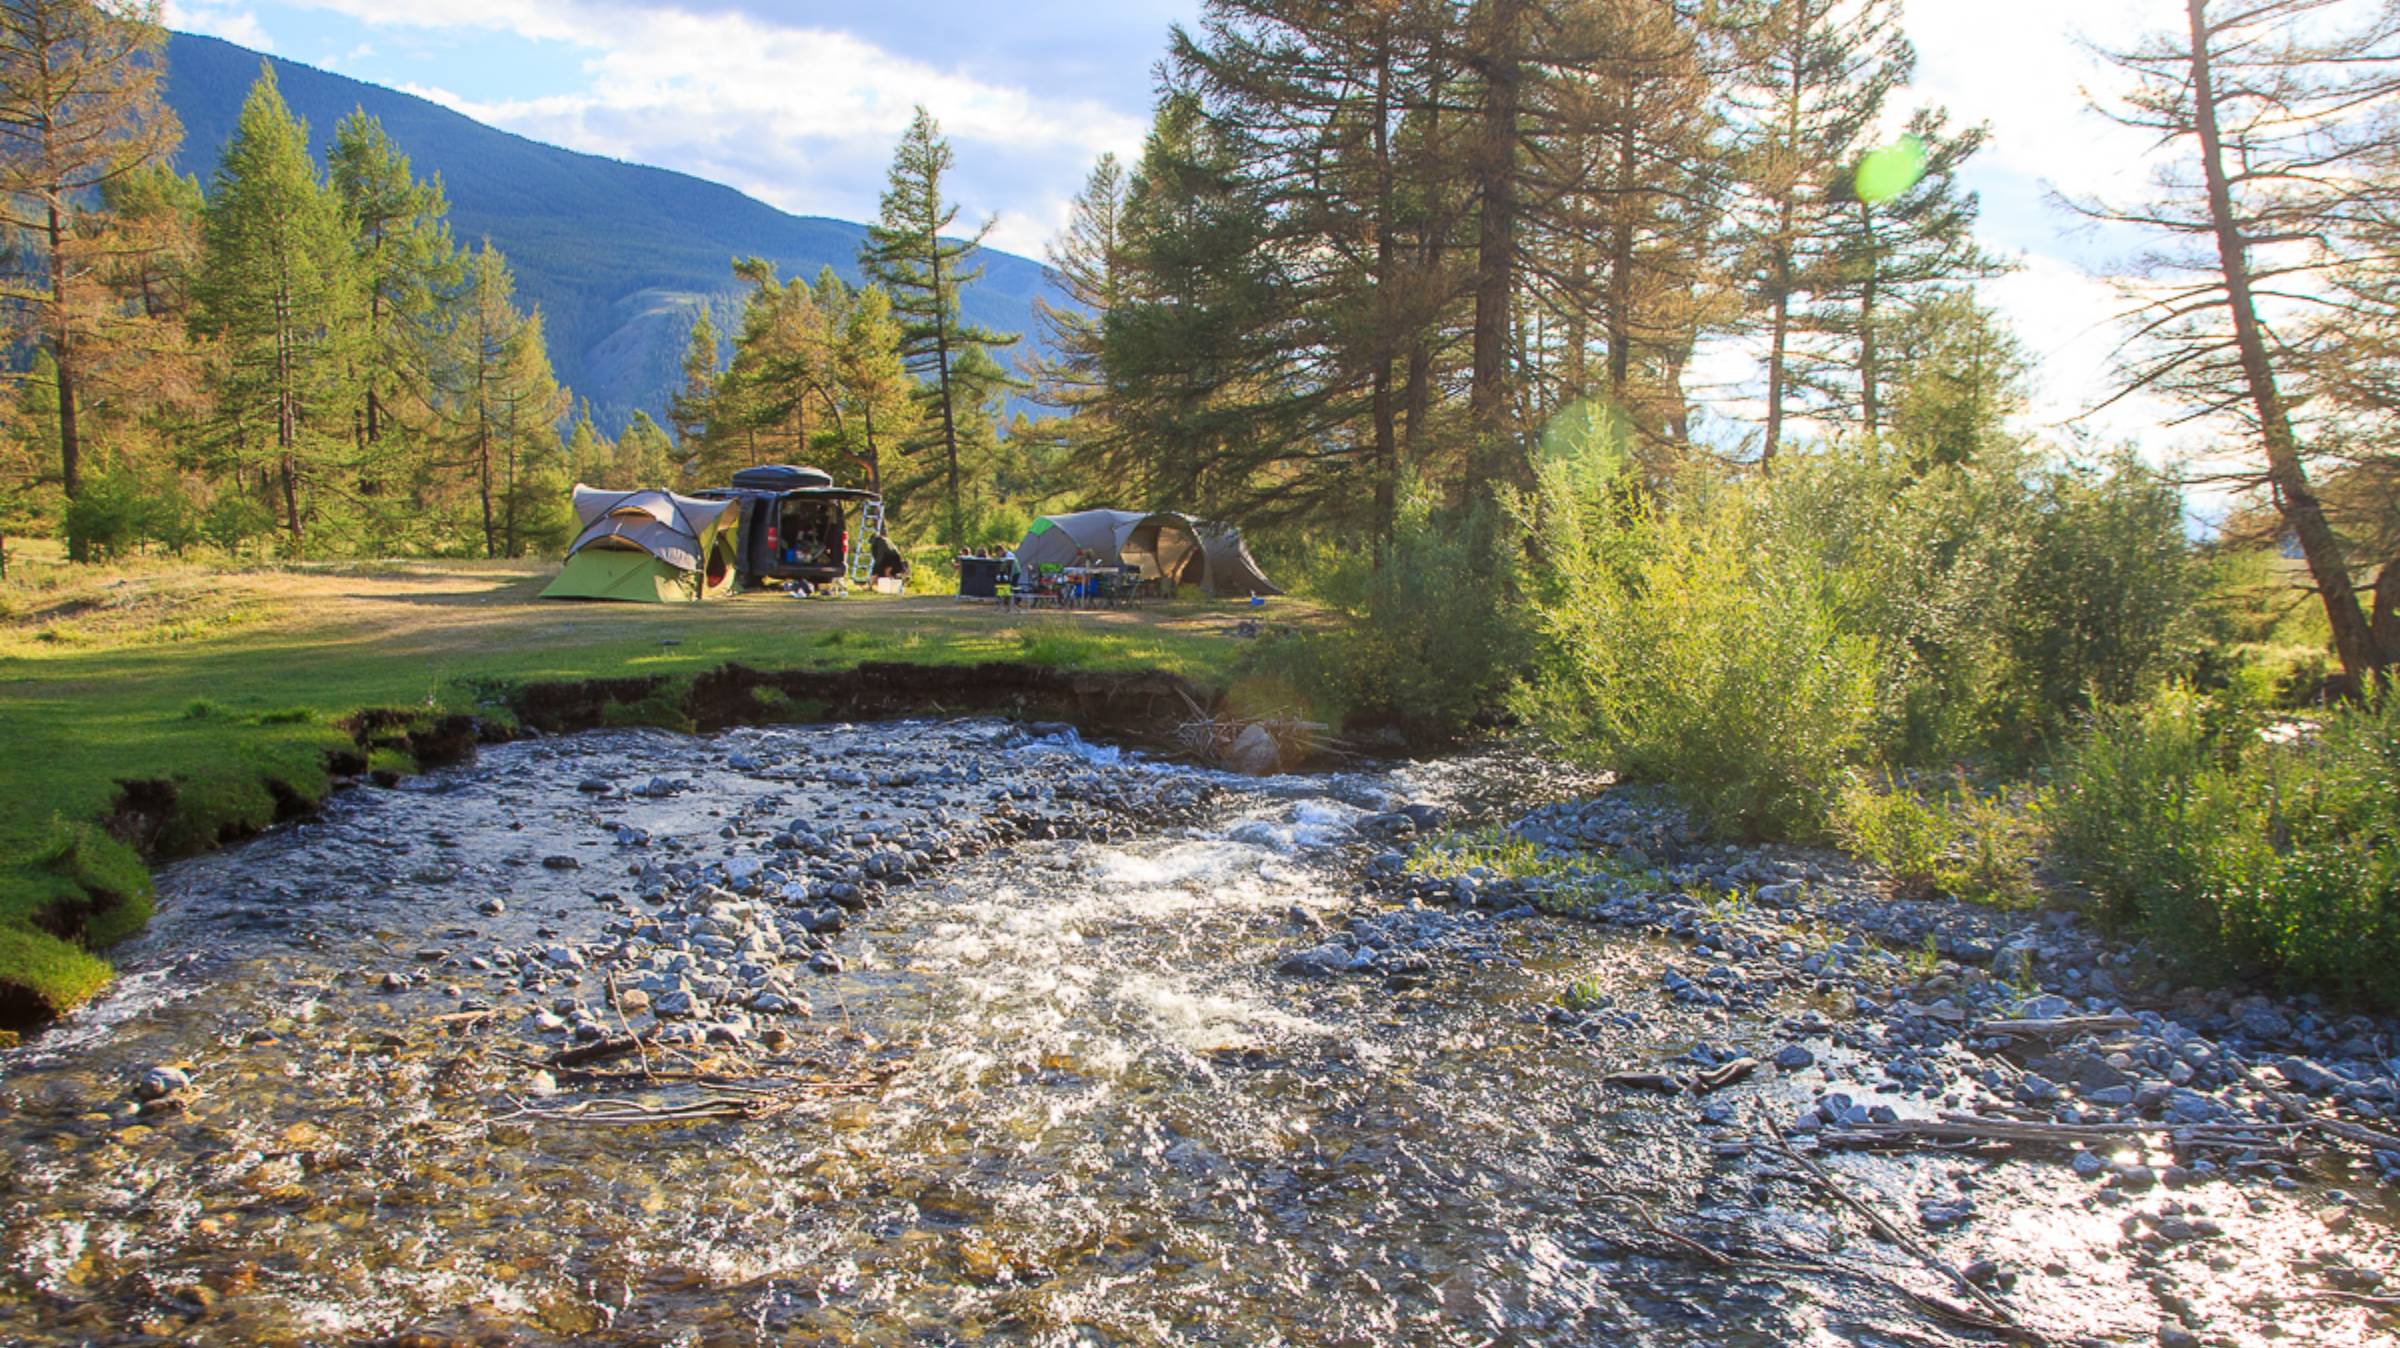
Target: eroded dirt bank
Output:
[(938, 1031)]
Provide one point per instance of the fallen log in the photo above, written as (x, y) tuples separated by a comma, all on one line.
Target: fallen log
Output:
[(2298, 1111)]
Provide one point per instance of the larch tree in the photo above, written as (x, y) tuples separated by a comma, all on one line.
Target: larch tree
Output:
[(2274, 113), (409, 268), (279, 291), (80, 107), (908, 252)]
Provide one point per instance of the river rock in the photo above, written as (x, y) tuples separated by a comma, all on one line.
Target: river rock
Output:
[(1253, 752), (160, 1082), (1317, 961)]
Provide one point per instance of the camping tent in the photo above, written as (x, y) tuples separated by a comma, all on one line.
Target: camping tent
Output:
[(1182, 549), (649, 547)]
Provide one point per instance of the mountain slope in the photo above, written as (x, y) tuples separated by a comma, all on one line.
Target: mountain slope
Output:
[(619, 256)]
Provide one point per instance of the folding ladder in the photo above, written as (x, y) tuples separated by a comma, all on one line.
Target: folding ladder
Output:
[(862, 549)]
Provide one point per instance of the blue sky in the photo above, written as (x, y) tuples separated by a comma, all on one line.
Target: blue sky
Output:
[(798, 104)]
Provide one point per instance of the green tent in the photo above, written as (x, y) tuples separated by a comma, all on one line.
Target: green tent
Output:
[(648, 547)]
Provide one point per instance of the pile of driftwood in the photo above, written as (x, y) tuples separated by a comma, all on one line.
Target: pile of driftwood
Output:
[(1253, 745)]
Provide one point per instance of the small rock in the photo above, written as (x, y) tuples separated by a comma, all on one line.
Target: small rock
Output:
[(160, 1082), (1795, 1058)]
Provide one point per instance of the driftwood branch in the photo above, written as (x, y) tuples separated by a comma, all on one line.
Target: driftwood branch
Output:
[(2063, 1027)]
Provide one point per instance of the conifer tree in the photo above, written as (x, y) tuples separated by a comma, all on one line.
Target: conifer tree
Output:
[(410, 270), (278, 289), (643, 456), (2270, 108), (505, 403), (924, 272), (876, 408), (1088, 257), (590, 458), (1812, 80), (692, 411), (1891, 250), (79, 108)]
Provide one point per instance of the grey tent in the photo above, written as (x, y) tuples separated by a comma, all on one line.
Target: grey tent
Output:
[(1162, 543), (647, 546)]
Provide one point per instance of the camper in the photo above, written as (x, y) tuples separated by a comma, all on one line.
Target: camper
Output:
[(797, 526)]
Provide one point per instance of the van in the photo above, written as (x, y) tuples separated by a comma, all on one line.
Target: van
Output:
[(795, 524)]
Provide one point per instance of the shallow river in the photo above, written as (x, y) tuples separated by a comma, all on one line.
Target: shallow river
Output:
[(1055, 1092)]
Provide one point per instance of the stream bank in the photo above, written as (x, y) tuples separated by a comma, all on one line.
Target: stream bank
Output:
[(95, 879)]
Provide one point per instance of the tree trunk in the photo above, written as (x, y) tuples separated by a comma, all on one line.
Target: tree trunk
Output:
[(1387, 444), (941, 368), (2384, 625), (1619, 320), (1870, 373), (63, 357), (1490, 460), (2294, 495)]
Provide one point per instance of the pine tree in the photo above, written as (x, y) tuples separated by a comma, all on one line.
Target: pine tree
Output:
[(79, 108), (1088, 258), (279, 290), (1192, 344), (410, 271), (590, 459), (1892, 250), (924, 272)]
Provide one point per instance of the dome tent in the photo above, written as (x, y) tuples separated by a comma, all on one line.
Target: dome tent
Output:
[(1162, 543), (648, 547)]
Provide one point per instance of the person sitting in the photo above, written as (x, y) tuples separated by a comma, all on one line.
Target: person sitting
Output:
[(889, 564)]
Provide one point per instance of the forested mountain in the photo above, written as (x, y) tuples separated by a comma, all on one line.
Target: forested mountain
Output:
[(619, 256)]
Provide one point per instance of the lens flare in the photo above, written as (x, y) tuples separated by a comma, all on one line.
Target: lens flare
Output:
[(1891, 170)]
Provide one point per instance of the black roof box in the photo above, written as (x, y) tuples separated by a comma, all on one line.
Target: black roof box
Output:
[(781, 477)]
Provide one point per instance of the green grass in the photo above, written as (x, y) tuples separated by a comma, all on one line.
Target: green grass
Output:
[(236, 715), (1580, 880)]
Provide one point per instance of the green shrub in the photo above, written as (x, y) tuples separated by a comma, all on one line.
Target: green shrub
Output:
[(105, 519), (2271, 856), (1968, 845), (1894, 829), (1698, 647), (234, 519), (1437, 635)]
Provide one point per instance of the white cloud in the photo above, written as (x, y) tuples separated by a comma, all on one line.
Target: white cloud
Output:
[(803, 118), (234, 23)]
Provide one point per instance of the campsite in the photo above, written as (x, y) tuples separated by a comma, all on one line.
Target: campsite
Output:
[(1525, 672)]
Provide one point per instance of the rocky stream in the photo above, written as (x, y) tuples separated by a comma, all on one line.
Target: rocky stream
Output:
[(936, 1032)]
